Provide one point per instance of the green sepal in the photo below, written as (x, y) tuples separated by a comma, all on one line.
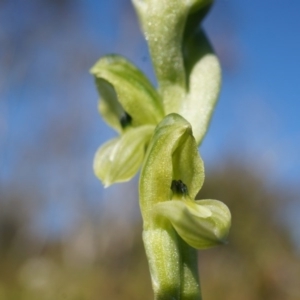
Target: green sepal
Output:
[(204, 72), (172, 155), (119, 159), (201, 224), (124, 88)]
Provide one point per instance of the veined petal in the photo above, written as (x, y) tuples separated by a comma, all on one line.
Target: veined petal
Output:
[(201, 224), (172, 155), (204, 84), (119, 159), (127, 89)]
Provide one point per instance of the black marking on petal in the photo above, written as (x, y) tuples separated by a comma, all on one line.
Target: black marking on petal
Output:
[(179, 188), (125, 120)]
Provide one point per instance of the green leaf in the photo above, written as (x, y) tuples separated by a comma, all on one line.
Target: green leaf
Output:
[(172, 155), (201, 224), (204, 84), (126, 89), (119, 159)]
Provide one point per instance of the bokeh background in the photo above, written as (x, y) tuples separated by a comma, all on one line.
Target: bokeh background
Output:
[(62, 235)]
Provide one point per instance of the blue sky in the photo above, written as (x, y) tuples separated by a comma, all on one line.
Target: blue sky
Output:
[(259, 101), (47, 94)]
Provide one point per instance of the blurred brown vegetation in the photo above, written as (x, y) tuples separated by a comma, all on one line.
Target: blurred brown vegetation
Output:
[(107, 261)]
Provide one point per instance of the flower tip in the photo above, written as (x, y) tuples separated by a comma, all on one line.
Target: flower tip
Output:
[(93, 70), (96, 68), (107, 184)]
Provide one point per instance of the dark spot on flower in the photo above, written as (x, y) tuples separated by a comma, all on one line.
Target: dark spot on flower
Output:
[(125, 120), (178, 187)]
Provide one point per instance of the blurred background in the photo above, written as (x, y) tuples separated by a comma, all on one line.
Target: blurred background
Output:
[(62, 235)]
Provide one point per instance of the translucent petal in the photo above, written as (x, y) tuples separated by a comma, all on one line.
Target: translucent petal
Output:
[(119, 159), (201, 224), (132, 91)]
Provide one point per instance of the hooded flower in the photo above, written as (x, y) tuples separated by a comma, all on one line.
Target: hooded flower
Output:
[(171, 177)]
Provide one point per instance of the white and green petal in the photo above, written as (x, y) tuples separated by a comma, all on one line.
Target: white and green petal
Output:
[(201, 224), (124, 88), (119, 159)]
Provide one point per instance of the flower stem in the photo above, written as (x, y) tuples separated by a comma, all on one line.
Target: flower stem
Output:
[(190, 287), (161, 245)]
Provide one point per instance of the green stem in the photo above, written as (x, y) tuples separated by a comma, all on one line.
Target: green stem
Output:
[(161, 245), (190, 287)]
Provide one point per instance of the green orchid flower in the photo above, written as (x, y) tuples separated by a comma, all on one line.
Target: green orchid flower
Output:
[(132, 107), (174, 223), (188, 74)]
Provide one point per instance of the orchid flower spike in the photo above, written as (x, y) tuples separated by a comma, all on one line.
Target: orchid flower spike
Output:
[(160, 130), (188, 75)]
